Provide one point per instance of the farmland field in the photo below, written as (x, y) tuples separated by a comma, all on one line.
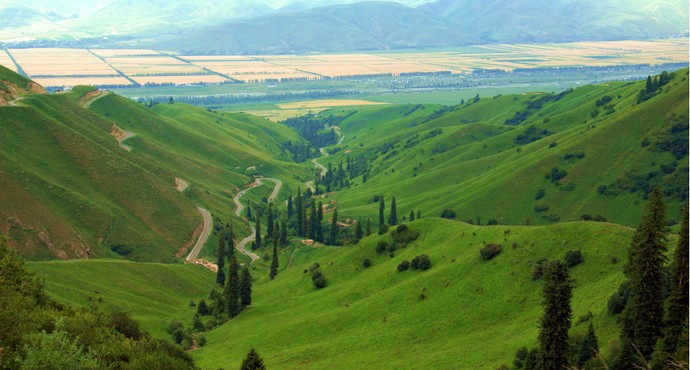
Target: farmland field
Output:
[(150, 67)]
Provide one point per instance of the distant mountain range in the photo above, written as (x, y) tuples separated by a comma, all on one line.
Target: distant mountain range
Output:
[(284, 26)]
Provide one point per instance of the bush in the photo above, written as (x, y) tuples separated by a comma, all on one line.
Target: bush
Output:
[(125, 324), (540, 194), (366, 263), (421, 262), (121, 249), (538, 270), (381, 246), (404, 265), (541, 208), (619, 299), (320, 282), (448, 213), (490, 251), (572, 258)]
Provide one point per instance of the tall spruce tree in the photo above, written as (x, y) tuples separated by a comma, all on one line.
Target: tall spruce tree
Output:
[(313, 221), (319, 220), (229, 243), (358, 231), (382, 207), (283, 233), (257, 239), (304, 216), (289, 205), (221, 252), (673, 347), (298, 206), (232, 289), (269, 221), (249, 210), (555, 323), (588, 348), (245, 287), (419, 214), (393, 217), (334, 228), (644, 314), (274, 260), (411, 216), (253, 361)]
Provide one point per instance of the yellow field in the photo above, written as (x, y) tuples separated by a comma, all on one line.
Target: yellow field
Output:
[(74, 81), (6, 62), (179, 80), (328, 103), (60, 62), (151, 66)]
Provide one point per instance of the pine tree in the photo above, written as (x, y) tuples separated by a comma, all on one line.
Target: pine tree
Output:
[(411, 216), (555, 323), (368, 229), (334, 228), (300, 224), (197, 324), (319, 220), (202, 308), (220, 274), (644, 313), (313, 221), (229, 244), (274, 260), (249, 210), (382, 207), (269, 221), (245, 287), (253, 361), (304, 217), (232, 289), (358, 231), (588, 348), (648, 86), (289, 205), (393, 217), (674, 340), (257, 239), (419, 214), (283, 233)]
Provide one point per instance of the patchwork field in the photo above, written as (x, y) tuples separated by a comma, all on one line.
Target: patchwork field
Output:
[(150, 67)]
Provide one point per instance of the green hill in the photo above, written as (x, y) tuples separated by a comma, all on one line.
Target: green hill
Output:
[(71, 190), (531, 158)]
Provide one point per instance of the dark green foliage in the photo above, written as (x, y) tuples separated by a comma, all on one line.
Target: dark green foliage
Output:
[(586, 348), (319, 280), (538, 269), (393, 217), (313, 222), (556, 175), (249, 210), (402, 235), (603, 101), (572, 258), (269, 221), (221, 252), (540, 194), (367, 231), (526, 359), (333, 240), (381, 246), (319, 228), (421, 262), (674, 139), (404, 265), (419, 214), (448, 213), (232, 289), (556, 320), (489, 251), (197, 325), (300, 221), (121, 249), (253, 361), (411, 216), (257, 241), (289, 206), (644, 312), (358, 231), (619, 299), (245, 288), (283, 233), (125, 324), (366, 263), (541, 208), (202, 308), (674, 344), (274, 261), (382, 207), (530, 135)]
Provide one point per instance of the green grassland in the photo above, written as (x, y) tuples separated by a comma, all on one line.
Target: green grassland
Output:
[(70, 191), (479, 168), (374, 318), (153, 293)]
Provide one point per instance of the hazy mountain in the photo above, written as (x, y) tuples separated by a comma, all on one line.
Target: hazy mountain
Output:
[(560, 20), (19, 16), (359, 26)]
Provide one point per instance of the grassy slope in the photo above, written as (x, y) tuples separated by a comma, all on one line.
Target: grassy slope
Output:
[(72, 192), (374, 315), (153, 293), (482, 172)]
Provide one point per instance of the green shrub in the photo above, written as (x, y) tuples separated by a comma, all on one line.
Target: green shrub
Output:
[(619, 299), (490, 251), (572, 258), (381, 246), (448, 213), (538, 270), (404, 265), (366, 263), (421, 262)]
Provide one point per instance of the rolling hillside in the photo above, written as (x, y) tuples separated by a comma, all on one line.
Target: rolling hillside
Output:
[(84, 183), (531, 158)]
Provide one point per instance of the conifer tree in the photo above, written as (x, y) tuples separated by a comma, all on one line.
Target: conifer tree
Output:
[(644, 313), (313, 221), (674, 345), (202, 308), (220, 274), (368, 229), (334, 228), (304, 217), (289, 205), (648, 86), (197, 324), (232, 288), (588, 348), (269, 221), (229, 244), (246, 287), (257, 239), (393, 217), (411, 216), (253, 361), (358, 231), (319, 220), (283, 233), (555, 323), (249, 210), (382, 207), (274, 260), (419, 214), (298, 206)]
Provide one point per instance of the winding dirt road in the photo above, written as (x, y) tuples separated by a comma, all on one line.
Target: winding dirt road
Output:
[(242, 245), (321, 168), (205, 232)]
